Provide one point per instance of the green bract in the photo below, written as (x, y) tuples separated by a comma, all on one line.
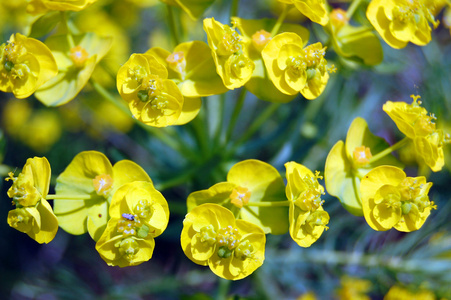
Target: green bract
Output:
[(75, 65), (249, 181), (343, 170), (92, 176)]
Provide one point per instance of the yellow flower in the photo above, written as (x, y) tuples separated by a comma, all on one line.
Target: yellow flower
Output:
[(353, 289), (414, 121), (307, 216), (402, 21), (25, 65), (91, 177), (233, 249), (75, 65), (230, 53), (249, 182), (348, 162), (397, 292), (152, 98), (354, 43), (33, 214), (295, 69), (315, 10), (36, 7), (139, 213), (391, 199), (257, 31), (194, 8)]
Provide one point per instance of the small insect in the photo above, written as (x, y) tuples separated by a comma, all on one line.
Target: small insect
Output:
[(129, 217)]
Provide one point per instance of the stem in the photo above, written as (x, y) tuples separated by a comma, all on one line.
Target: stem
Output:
[(172, 25), (236, 112), (234, 8), (280, 20), (68, 197), (352, 8), (389, 150), (69, 36), (257, 124), (269, 204), (223, 289)]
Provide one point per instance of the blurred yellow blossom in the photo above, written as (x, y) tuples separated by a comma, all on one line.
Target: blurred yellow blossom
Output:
[(391, 199), (307, 216), (233, 249), (353, 289), (139, 213), (25, 65), (415, 122), (249, 183), (194, 8), (397, 292), (85, 190), (33, 214), (401, 21), (315, 10), (36, 7)]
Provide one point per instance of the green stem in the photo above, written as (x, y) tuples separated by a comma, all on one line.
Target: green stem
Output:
[(269, 204), (352, 8), (69, 36), (263, 117), (234, 8), (235, 114), (223, 289), (389, 150), (68, 197), (172, 25), (280, 20)]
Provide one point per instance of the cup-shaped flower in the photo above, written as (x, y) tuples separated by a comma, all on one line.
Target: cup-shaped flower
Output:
[(139, 213), (152, 98), (233, 249), (85, 190), (25, 65), (230, 53), (33, 214), (36, 7), (194, 8), (258, 31), (307, 217), (75, 63), (250, 185), (401, 21), (391, 199), (295, 69), (348, 162), (415, 122)]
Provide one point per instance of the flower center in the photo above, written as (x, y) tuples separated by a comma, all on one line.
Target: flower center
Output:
[(230, 42), (239, 66), (415, 193), (19, 219), (240, 196), (103, 184), (317, 218), (362, 155), (310, 198), (177, 62), (260, 39), (338, 18), (22, 191), (152, 87), (143, 209), (79, 56)]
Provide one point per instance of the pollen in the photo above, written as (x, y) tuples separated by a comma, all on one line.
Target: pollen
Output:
[(260, 39), (230, 42), (240, 196), (103, 184), (338, 18), (362, 155), (79, 56), (177, 62)]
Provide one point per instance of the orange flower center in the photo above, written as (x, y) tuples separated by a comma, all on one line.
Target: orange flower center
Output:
[(79, 56), (362, 155), (240, 196), (260, 39), (103, 184)]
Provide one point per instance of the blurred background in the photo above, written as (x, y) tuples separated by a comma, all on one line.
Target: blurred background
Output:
[(350, 260)]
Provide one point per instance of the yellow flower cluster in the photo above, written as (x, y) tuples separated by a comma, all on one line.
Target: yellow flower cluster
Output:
[(368, 180)]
